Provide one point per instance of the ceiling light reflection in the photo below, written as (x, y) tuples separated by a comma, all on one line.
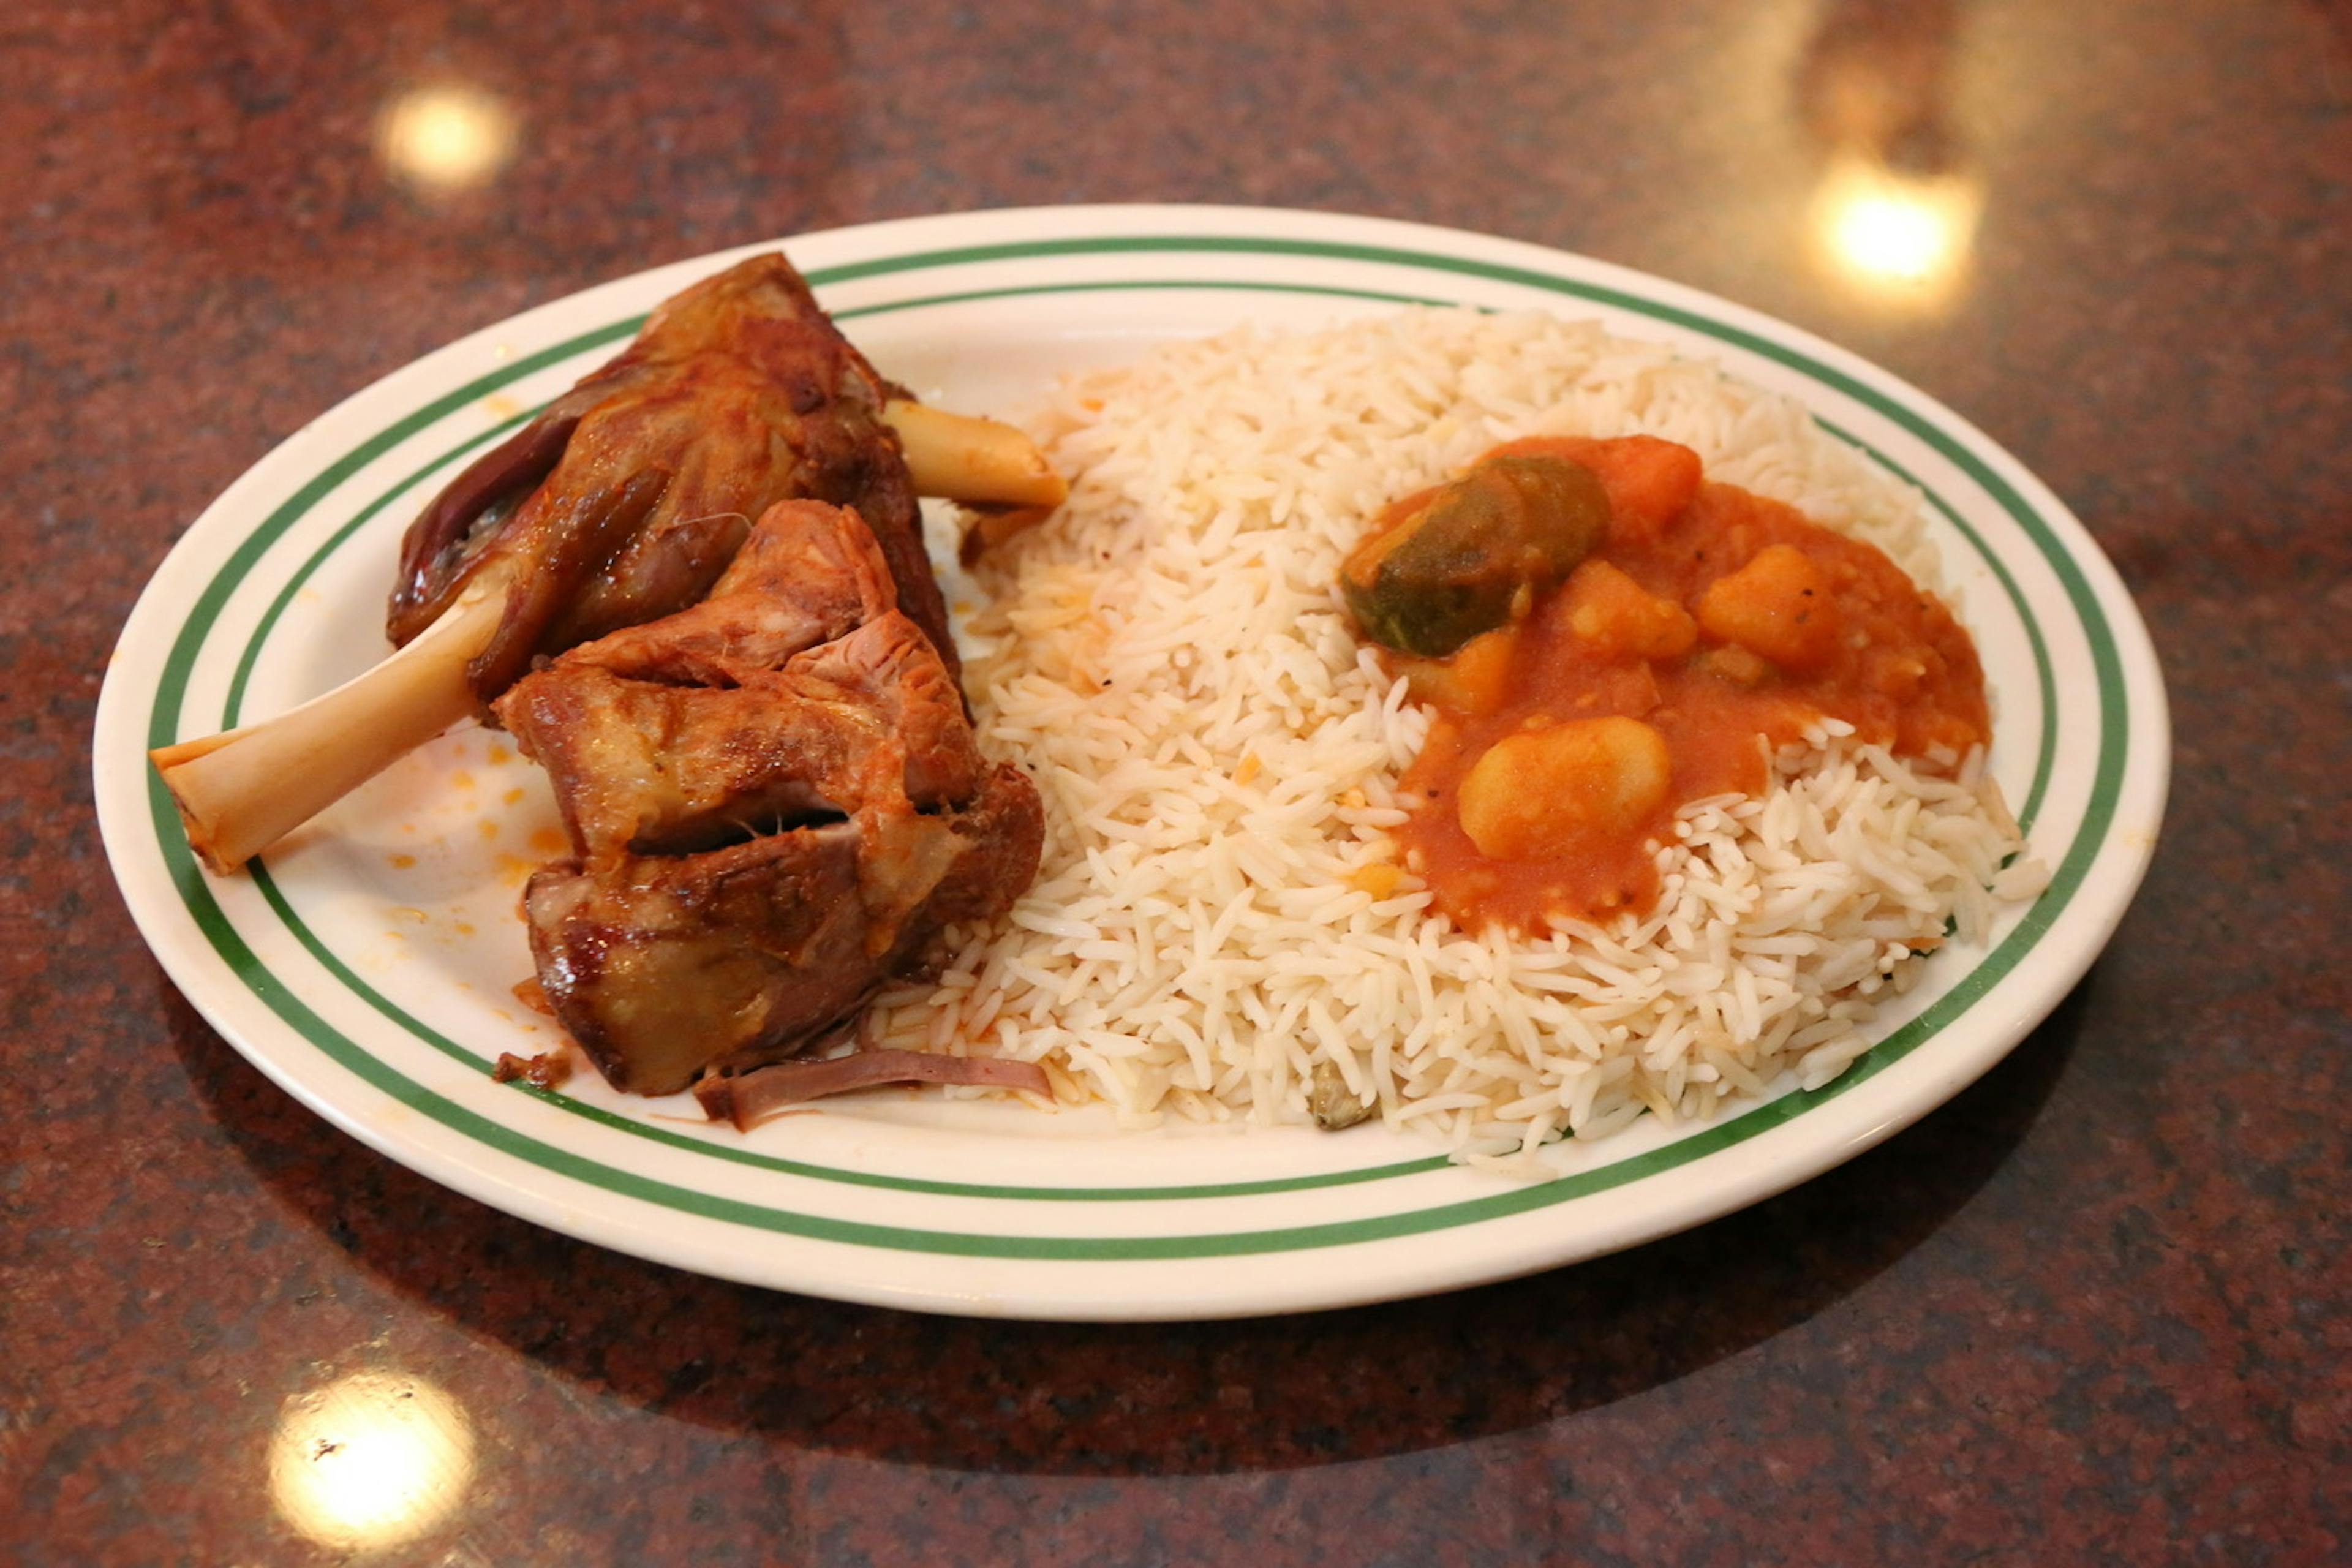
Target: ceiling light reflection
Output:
[(445, 138), (1898, 235), (372, 1459)]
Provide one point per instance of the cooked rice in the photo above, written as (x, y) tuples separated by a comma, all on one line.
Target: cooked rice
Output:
[(1219, 759)]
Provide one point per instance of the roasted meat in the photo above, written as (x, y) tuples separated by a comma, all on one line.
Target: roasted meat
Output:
[(628, 498), (620, 504), (665, 967), (755, 733), (775, 804)]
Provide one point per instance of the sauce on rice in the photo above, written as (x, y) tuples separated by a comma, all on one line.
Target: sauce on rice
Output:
[(1708, 628)]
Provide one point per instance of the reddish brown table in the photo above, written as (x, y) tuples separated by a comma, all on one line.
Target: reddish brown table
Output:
[(2094, 1311)]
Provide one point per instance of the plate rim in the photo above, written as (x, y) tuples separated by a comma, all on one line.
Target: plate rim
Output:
[(1192, 228)]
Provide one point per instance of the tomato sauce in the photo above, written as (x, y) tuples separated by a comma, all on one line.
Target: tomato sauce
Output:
[(1722, 621)]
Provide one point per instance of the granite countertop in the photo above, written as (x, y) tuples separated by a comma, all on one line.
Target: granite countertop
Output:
[(2098, 1308)]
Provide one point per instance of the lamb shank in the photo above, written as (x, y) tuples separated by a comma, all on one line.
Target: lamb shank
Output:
[(775, 805), (620, 504), (695, 588)]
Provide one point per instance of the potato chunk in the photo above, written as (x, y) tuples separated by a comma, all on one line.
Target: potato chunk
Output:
[(1778, 605), (1615, 615), (1531, 793)]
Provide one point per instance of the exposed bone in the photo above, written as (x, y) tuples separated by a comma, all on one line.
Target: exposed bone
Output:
[(241, 791), (968, 459)]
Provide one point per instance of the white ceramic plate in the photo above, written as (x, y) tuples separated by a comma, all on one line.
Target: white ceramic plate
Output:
[(367, 965)]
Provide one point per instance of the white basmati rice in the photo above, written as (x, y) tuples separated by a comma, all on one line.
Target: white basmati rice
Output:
[(1219, 755)]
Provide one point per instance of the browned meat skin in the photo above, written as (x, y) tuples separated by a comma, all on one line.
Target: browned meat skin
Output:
[(666, 967), (802, 579), (775, 804), (641, 768), (649, 967), (766, 705), (627, 499)]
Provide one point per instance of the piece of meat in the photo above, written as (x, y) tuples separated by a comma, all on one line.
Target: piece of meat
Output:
[(626, 499), (641, 768), (546, 1071), (666, 967), (749, 1098), (800, 580), (775, 804), (793, 693)]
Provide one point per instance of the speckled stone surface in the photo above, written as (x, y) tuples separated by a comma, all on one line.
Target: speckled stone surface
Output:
[(2098, 1310)]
